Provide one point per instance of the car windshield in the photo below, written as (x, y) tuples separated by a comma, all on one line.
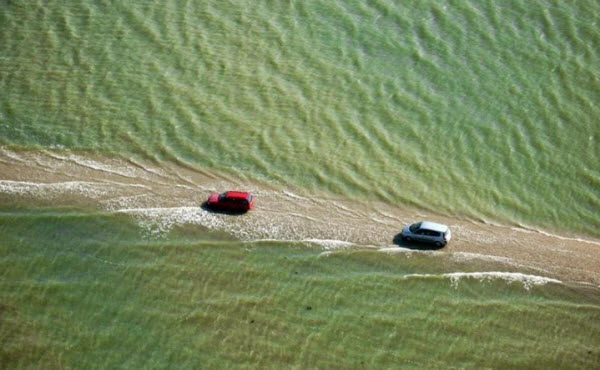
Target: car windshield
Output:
[(414, 227)]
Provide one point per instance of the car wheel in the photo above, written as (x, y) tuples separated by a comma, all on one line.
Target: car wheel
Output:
[(407, 238), (439, 244)]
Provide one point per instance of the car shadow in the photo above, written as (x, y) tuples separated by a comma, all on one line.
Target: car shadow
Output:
[(207, 208), (414, 245)]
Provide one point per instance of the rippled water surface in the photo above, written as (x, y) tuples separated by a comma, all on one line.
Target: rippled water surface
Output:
[(479, 109), (91, 289), (470, 110)]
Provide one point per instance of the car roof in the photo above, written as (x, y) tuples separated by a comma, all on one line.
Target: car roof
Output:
[(434, 226), (233, 194)]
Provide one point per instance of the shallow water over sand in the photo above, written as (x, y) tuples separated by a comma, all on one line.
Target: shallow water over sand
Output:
[(346, 119), (478, 110), (163, 198)]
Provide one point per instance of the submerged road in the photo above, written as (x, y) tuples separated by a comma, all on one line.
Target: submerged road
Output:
[(161, 196)]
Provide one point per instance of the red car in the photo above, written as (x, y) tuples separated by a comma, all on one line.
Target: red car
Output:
[(237, 201)]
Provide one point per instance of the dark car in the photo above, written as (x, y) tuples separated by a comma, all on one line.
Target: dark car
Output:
[(234, 201)]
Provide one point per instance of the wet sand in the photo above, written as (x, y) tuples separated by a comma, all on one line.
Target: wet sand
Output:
[(162, 196)]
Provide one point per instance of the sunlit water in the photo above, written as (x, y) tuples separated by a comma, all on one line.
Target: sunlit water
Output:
[(479, 110)]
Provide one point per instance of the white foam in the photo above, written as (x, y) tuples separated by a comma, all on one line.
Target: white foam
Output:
[(265, 240), (293, 196), (128, 201), (329, 243), (125, 170), (581, 240), (10, 154), (159, 221), (393, 217), (527, 280), (299, 215), (409, 252), (466, 256), (49, 190), (395, 250), (325, 254), (155, 171), (125, 184)]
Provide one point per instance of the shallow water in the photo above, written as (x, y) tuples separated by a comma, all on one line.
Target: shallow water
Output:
[(77, 285), (480, 110), (346, 119)]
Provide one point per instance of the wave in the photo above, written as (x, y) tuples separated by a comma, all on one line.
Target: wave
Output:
[(329, 243), (159, 221), (408, 251), (545, 233), (119, 168), (11, 154), (49, 190), (92, 189), (332, 224), (467, 256), (527, 280), (291, 195)]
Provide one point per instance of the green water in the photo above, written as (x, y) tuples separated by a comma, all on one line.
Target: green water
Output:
[(482, 109), (86, 290), (473, 109)]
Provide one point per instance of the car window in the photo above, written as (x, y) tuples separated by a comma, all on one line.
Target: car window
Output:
[(432, 233), (414, 227)]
